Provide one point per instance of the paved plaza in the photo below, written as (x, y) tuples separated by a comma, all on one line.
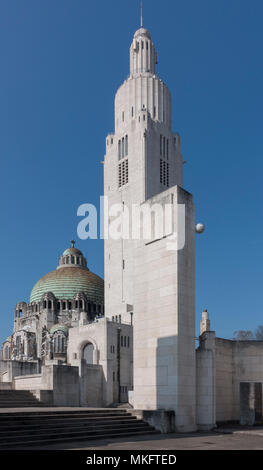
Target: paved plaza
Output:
[(234, 439)]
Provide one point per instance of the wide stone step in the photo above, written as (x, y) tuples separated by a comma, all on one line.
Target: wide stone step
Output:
[(9, 392), (18, 396), (30, 428), (10, 426), (13, 391), (77, 437), (42, 432), (20, 404), (19, 399), (56, 415)]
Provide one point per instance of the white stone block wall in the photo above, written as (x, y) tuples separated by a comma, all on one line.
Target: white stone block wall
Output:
[(103, 335), (247, 367), (236, 361), (224, 380), (164, 322)]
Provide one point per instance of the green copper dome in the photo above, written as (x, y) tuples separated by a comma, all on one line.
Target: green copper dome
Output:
[(66, 282), (72, 251)]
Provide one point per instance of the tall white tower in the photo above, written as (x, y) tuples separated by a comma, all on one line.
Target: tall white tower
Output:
[(142, 159), (143, 165)]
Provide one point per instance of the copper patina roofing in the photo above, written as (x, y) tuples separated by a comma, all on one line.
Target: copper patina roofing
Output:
[(66, 282)]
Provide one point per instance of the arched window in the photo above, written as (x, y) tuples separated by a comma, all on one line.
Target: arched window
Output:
[(19, 345), (7, 352), (88, 353), (49, 304), (59, 343)]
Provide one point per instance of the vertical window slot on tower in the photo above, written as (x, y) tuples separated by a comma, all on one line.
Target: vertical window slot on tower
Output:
[(122, 147)]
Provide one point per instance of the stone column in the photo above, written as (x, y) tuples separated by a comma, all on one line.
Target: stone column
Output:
[(250, 403), (205, 382)]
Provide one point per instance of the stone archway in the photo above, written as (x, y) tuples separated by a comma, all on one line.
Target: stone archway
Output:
[(88, 353), (88, 348)]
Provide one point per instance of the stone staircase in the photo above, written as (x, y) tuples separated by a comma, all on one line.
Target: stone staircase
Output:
[(18, 399), (30, 428)]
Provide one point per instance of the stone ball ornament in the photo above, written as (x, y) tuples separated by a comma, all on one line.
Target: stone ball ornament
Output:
[(199, 228)]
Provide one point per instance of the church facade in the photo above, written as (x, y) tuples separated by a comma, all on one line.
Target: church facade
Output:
[(63, 329), (131, 339)]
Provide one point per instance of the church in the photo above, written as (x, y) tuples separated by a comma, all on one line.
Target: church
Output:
[(131, 339)]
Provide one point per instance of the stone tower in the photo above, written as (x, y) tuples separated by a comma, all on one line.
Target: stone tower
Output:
[(143, 167)]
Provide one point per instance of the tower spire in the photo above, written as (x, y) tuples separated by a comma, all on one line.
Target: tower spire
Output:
[(141, 15)]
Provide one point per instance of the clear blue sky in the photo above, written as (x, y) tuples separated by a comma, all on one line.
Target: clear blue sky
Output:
[(61, 64)]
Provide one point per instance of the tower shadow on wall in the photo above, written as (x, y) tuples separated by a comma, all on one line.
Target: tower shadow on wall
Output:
[(166, 371)]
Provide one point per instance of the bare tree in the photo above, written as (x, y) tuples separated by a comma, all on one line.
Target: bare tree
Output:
[(259, 333), (243, 335), (248, 335)]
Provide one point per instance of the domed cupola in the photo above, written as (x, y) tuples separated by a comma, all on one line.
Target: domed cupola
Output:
[(72, 257)]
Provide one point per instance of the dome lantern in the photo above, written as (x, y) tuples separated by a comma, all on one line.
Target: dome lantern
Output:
[(72, 257)]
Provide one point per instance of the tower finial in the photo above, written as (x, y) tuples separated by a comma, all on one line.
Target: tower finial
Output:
[(73, 243), (141, 14)]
